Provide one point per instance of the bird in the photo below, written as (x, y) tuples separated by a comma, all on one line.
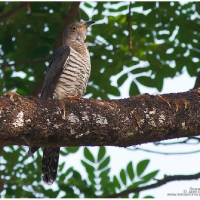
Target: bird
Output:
[(66, 76)]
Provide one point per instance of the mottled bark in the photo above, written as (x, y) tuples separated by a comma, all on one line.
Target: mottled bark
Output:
[(136, 120)]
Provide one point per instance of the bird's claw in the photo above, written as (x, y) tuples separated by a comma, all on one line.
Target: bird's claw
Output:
[(11, 94), (62, 104), (73, 97)]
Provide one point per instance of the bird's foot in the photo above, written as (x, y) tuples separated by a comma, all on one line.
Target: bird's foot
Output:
[(12, 94), (62, 104), (74, 97), (165, 100)]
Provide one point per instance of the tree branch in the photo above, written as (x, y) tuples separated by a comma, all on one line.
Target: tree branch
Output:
[(88, 122), (162, 153), (68, 20), (13, 11), (130, 30), (185, 141), (163, 181)]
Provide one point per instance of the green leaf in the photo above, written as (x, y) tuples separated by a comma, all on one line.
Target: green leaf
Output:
[(91, 177), (105, 181), (122, 8), (68, 171), (89, 168), (151, 175), (140, 70), (63, 152), (130, 171), (87, 5), (116, 182), (104, 173), (136, 184), (146, 81), (72, 149), (134, 90), (142, 165), (148, 196), (101, 153), (136, 195), (104, 164), (123, 176), (88, 155), (76, 175), (122, 79), (159, 80), (113, 90), (61, 166)]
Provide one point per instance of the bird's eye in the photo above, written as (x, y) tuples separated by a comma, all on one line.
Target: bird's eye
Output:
[(74, 28)]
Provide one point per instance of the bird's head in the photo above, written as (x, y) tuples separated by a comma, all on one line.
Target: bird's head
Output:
[(76, 31)]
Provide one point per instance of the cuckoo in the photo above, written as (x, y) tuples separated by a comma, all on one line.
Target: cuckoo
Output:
[(67, 75)]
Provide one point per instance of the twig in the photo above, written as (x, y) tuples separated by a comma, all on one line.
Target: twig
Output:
[(197, 82), (182, 142), (28, 7), (163, 153), (129, 31), (161, 182)]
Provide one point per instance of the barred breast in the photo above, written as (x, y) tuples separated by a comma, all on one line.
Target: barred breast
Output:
[(74, 77)]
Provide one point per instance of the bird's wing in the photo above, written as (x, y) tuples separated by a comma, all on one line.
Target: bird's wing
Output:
[(56, 66)]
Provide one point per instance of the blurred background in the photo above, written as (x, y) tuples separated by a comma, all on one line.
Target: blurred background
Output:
[(135, 48)]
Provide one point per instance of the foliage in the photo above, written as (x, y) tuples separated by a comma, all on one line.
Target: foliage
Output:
[(24, 179), (161, 40), (163, 35)]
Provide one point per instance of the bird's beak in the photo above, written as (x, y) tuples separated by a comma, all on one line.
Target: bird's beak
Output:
[(87, 24)]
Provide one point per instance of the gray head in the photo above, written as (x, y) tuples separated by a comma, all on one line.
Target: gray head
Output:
[(76, 32)]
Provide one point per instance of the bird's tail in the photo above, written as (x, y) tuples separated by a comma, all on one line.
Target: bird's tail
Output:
[(50, 164)]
